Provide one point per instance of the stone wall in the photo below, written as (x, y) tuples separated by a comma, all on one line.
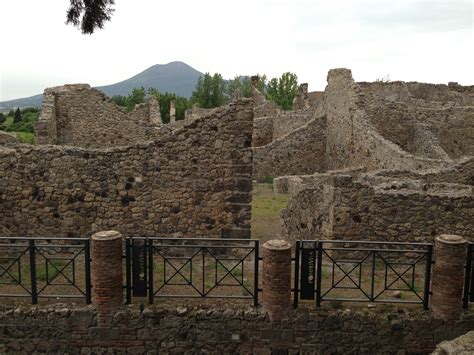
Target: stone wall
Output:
[(396, 126), (353, 140), (263, 107), (81, 116), (8, 138), (427, 127), (286, 122), (192, 181), (262, 131), (459, 172), (196, 112), (461, 345), (229, 330), (299, 152), (316, 98), (408, 91), (335, 206)]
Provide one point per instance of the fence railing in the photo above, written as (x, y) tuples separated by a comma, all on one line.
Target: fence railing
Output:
[(191, 268), (469, 277), (362, 271), (326, 270), (45, 268)]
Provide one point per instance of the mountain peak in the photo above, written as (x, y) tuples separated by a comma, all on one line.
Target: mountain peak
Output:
[(175, 77)]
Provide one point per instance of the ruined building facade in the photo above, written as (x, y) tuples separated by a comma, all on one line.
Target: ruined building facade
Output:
[(381, 161)]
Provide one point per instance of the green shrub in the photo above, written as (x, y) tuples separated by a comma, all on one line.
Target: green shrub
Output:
[(26, 137)]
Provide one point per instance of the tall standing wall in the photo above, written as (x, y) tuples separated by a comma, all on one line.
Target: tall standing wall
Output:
[(80, 116), (192, 181)]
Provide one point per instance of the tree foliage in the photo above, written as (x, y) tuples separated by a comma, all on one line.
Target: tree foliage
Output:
[(17, 116), (283, 90), (136, 97), (21, 120), (164, 99), (242, 84), (139, 95), (2, 117), (89, 15), (210, 91)]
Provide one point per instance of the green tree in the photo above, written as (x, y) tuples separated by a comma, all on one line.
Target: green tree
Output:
[(242, 84), (210, 91), (262, 84), (119, 100), (89, 15), (2, 118), (164, 99), (26, 124), (283, 90), (136, 97), (17, 116)]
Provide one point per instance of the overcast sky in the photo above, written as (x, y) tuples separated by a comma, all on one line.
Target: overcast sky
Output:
[(410, 40)]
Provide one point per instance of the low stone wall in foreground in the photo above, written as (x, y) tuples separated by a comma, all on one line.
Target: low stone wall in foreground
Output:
[(186, 330)]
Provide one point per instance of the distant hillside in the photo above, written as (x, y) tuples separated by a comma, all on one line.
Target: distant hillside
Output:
[(32, 101), (174, 77)]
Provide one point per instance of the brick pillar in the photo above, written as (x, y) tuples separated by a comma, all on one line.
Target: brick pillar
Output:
[(448, 276), (106, 267), (276, 295)]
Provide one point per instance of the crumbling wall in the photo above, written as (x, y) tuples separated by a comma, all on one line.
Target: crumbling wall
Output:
[(315, 98), (460, 172), (80, 116), (412, 135), (286, 122), (46, 127), (301, 151), (434, 129), (8, 138), (384, 209), (301, 99), (461, 345), (195, 111), (192, 181), (352, 139)]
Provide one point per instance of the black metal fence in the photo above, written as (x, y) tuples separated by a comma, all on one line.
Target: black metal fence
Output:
[(45, 268), (362, 271), (326, 270), (469, 277), (191, 268)]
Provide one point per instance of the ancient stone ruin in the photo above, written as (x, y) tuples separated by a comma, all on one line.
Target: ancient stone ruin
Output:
[(383, 161), (186, 180), (80, 116), (360, 161)]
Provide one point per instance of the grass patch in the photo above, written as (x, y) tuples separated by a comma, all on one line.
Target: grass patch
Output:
[(237, 272), (158, 268), (26, 137), (54, 266), (266, 207)]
